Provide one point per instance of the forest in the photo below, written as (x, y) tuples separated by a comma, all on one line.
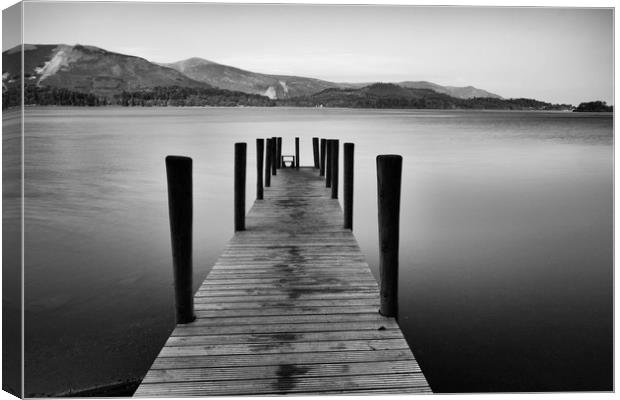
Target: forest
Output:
[(594, 106), (158, 96), (372, 96)]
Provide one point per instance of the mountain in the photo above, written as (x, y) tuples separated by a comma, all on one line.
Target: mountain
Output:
[(283, 86), (389, 95), (88, 69), (231, 78), (88, 75), (467, 92)]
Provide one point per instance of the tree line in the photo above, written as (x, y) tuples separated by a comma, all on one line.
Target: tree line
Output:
[(158, 96), (594, 106), (48, 96), (374, 96), (380, 96)]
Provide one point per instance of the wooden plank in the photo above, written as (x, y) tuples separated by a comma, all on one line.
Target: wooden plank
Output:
[(269, 371), (278, 294), (204, 303), (290, 307), (283, 347), (278, 359), (297, 294), (291, 319), (294, 280), (210, 339), (290, 380), (183, 330), (285, 311)]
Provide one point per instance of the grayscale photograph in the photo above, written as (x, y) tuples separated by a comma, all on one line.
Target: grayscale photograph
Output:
[(240, 199)]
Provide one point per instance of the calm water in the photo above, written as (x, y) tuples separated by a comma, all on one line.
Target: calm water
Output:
[(506, 236)]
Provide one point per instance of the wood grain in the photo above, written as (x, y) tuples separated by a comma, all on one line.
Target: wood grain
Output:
[(291, 306)]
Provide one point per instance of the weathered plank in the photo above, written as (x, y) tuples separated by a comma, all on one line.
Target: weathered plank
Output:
[(288, 379), (269, 371), (291, 306), (279, 359), (283, 328)]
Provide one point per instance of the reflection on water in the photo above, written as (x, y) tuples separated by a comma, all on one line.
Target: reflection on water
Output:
[(506, 236)]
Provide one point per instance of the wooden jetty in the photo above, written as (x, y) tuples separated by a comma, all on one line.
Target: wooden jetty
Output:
[(290, 307)]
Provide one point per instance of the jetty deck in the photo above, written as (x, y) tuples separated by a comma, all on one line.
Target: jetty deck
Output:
[(290, 307)]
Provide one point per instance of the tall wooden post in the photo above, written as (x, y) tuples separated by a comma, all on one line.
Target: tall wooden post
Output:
[(274, 155), (389, 173), (268, 163), (348, 185), (296, 152), (180, 209), (322, 160), (240, 163), (315, 151), (328, 164), (335, 167), (279, 163), (260, 149)]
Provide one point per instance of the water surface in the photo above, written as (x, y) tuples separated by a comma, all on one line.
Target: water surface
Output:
[(506, 235)]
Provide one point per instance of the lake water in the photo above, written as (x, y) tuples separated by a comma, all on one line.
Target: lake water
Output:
[(506, 235)]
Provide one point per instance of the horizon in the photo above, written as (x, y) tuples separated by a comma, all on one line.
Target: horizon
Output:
[(557, 55)]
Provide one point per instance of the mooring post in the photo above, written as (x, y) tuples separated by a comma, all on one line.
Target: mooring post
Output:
[(328, 164), (389, 173), (180, 210), (240, 162), (348, 185), (260, 149), (322, 160), (315, 151), (296, 152), (268, 164), (335, 167), (279, 163), (274, 155)]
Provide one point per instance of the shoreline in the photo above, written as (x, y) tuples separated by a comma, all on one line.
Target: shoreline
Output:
[(31, 106), (117, 389)]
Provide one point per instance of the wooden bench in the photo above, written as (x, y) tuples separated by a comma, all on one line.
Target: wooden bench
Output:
[(288, 158)]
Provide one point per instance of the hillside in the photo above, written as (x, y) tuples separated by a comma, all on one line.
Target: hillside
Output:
[(89, 76), (284, 87), (231, 78), (594, 106), (467, 92), (87, 69), (389, 95)]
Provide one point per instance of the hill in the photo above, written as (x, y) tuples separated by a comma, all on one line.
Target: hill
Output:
[(284, 86), (88, 69), (86, 75), (389, 95), (594, 106), (236, 79), (467, 92)]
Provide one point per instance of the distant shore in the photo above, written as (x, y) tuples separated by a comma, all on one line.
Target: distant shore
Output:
[(113, 106)]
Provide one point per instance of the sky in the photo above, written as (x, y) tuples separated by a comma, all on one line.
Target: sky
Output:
[(560, 55)]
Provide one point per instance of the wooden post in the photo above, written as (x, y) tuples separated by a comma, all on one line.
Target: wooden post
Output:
[(389, 173), (315, 151), (335, 167), (279, 163), (180, 209), (260, 149), (328, 164), (296, 152), (348, 185), (322, 160), (240, 162), (274, 155), (268, 163)]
